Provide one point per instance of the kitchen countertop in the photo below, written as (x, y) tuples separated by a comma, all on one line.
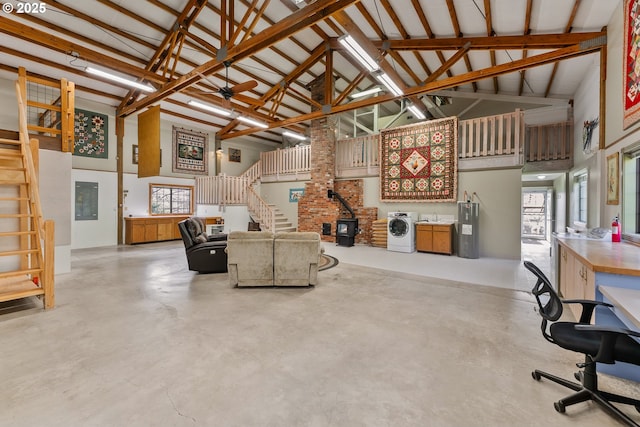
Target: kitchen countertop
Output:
[(436, 222), (605, 256)]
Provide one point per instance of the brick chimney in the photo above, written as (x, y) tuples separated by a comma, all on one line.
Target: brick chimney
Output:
[(315, 208)]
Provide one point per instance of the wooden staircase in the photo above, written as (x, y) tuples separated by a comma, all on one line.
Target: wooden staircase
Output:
[(281, 222), (26, 240)]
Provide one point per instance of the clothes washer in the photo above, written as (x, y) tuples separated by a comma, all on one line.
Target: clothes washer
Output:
[(401, 231)]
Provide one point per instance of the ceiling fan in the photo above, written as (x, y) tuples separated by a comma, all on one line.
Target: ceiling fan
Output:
[(229, 92)]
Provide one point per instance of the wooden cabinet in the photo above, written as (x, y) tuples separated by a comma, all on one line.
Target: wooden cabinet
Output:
[(436, 238), (152, 229), (576, 280)]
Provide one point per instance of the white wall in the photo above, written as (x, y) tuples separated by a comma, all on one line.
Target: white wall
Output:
[(236, 218), (56, 198), (277, 193), (561, 203), (586, 108), (103, 231), (616, 138), (499, 195)]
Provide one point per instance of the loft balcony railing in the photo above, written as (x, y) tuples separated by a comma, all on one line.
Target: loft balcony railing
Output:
[(500, 141)]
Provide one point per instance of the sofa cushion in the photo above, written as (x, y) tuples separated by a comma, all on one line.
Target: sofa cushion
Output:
[(250, 235), (298, 235)]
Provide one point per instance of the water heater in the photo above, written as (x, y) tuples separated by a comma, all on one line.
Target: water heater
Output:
[(468, 225)]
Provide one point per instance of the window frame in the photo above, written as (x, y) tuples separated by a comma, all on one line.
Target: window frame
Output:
[(579, 179), (189, 188), (630, 194)]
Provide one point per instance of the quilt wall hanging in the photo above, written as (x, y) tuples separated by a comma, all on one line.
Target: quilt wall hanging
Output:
[(420, 162), (631, 71), (190, 151), (90, 132)]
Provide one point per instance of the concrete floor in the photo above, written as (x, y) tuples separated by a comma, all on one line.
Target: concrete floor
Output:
[(138, 340)]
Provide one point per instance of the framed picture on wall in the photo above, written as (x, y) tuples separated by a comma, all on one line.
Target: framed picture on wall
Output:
[(631, 70), (234, 155), (295, 194), (613, 179)]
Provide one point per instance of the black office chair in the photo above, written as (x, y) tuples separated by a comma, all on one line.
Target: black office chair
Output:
[(598, 343)]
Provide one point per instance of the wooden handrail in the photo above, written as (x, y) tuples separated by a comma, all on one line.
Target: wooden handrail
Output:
[(260, 208), (26, 151), (58, 116)]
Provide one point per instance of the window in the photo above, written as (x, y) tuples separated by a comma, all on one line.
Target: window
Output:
[(580, 194), (630, 195), (165, 199)]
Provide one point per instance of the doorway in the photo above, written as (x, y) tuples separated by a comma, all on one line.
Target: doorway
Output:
[(537, 225), (535, 214)]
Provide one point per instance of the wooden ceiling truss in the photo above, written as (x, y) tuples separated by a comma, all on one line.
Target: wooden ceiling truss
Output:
[(238, 39)]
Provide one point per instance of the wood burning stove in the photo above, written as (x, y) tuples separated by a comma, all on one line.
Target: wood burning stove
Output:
[(346, 230)]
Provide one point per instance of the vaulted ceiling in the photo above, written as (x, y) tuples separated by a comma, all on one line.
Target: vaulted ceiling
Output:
[(448, 56)]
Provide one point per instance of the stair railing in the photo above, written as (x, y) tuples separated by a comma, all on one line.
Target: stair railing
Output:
[(44, 230), (254, 173), (261, 210), (258, 208)]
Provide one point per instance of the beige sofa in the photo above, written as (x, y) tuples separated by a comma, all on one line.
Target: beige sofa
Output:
[(295, 258), (250, 258), (260, 258)]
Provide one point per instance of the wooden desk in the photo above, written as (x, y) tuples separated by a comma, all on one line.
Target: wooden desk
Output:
[(624, 314), (627, 304), (584, 264)]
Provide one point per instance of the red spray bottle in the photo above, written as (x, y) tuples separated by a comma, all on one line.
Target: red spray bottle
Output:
[(616, 230)]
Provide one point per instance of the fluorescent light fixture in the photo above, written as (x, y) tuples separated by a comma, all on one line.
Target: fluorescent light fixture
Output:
[(367, 92), (416, 112), (252, 122), (119, 79), (542, 176), (208, 107), (359, 53), (294, 135), (389, 84)]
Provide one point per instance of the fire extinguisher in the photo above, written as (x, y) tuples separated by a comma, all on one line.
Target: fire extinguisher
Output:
[(616, 230)]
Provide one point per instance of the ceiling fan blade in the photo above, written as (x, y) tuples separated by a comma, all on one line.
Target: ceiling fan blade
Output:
[(244, 86), (248, 100)]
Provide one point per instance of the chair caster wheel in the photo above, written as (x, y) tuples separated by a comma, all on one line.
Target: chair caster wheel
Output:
[(637, 408), (559, 407), (535, 375), (578, 376)]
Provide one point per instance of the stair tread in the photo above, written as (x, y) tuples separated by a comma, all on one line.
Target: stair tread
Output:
[(18, 284), (16, 274), (18, 252), (16, 233)]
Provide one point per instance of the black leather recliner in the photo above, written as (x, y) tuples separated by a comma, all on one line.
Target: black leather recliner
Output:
[(205, 254)]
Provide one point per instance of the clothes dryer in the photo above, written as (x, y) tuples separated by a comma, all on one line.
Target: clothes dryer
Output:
[(401, 231)]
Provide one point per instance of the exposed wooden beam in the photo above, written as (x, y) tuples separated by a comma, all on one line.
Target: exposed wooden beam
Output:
[(530, 41), (491, 33), (456, 29), (427, 28), (446, 83), (526, 31), (283, 29), (163, 52), (58, 44), (567, 29)]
